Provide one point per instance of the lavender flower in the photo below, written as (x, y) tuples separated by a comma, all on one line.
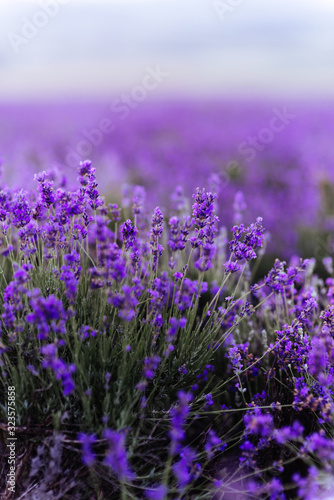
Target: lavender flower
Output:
[(48, 314), (258, 423), (178, 418), (235, 358), (308, 487), (139, 197), (239, 206), (87, 441), (158, 493), (150, 366), (244, 248), (62, 371), (205, 220), (115, 212), (179, 201), (116, 457), (212, 443), (20, 210), (185, 470), (289, 433), (125, 301), (155, 234), (129, 234), (279, 279), (45, 189), (292, 347)]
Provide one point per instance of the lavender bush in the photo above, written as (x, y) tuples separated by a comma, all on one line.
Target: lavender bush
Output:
[(147, 361)]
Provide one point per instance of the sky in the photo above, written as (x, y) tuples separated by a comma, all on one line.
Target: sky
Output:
[(79, 48)]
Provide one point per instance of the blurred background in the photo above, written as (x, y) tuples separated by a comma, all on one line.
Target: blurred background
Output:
[(209, 47), (231, 95)]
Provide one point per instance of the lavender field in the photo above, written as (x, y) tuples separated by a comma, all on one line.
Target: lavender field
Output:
[(167, 300), (279, 154)]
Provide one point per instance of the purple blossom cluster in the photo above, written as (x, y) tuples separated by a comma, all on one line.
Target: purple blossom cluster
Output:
[(116, 457), (205, 229), (244, 244), (58, 366)]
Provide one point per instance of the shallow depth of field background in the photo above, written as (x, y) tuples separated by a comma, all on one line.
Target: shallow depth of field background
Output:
[(228, 69)]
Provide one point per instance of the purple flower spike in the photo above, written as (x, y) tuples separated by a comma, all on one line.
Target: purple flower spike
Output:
[(87, 441), (116, 457), (129, 234), (158, 493)]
